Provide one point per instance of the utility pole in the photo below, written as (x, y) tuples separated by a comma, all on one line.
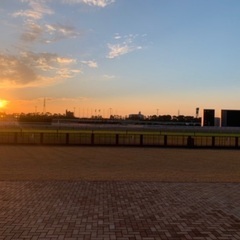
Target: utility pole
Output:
[(44, 105)]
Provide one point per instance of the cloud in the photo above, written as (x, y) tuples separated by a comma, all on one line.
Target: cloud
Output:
[(91, 64), (34, 12), (117, 36), (47, 33), (108, 77), (121, 48), (13, 70), (28, 14), (32, 69), (96, 3), (32, 33), (75, 99), (65, 60), (117, 50), (37, 10), (60, 31), (35, 30), (35, 69)]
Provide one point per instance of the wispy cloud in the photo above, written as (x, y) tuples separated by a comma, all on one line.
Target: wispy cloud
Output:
[(97, 3), (109, 77), (35, 30), (116, 50), (121, 48), (35, 69), (28, 14), (47, 33), (14, 71), (36, 11), (75, 99), (25, 68), (117, 36), (60, 31), (91, 64)]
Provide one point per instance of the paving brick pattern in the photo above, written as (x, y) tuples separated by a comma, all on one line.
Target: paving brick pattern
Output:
[(119, 210)]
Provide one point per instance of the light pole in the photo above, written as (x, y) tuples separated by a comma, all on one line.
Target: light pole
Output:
[(110, 112)]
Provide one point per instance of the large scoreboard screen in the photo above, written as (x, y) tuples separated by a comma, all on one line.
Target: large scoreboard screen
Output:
[(231, 118), (208, 117)]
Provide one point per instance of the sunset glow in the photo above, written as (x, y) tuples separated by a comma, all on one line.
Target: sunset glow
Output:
[(159, 56), (3, 103)]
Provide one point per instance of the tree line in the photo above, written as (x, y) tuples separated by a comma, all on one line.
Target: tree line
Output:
[(49, 117)]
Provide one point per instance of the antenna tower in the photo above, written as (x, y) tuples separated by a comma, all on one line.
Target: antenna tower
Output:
[(197, 112), (44, 105)]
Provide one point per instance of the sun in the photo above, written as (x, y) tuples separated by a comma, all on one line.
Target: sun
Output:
[(3, 103)]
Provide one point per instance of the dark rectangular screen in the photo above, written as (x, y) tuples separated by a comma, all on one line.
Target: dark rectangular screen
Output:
[(208, 117), (233, 118)]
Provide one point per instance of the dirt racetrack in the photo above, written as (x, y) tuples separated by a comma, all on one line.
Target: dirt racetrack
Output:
[(118, 163)]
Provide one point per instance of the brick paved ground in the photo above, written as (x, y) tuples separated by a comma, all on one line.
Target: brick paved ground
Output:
[(119, 210)]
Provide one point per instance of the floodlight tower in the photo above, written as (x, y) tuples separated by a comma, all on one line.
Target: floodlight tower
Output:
[(44, 105), (197, 112)]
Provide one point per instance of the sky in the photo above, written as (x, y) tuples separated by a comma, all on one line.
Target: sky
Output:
[(119, 56)]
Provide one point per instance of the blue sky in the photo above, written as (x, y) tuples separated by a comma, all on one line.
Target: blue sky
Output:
[(88, 56)]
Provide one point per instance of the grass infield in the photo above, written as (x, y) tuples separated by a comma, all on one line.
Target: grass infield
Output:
[(50, 129)]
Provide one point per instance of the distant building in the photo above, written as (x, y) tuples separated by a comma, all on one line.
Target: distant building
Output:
[(138, 116), (208, 117), (217, 122), (230, 118), (69, 114)]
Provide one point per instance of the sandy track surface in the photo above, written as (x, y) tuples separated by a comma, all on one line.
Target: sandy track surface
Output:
[(114, 164)]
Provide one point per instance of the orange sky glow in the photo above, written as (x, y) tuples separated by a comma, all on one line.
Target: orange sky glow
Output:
[(85, 56)]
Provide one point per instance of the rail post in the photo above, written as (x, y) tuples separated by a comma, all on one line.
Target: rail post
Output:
[(117, 139), (236, 142), (141, 139), (190, 142), (213, 141), (67, 138), (92, 138), (16, 138), (165, 140), (41, 138)]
